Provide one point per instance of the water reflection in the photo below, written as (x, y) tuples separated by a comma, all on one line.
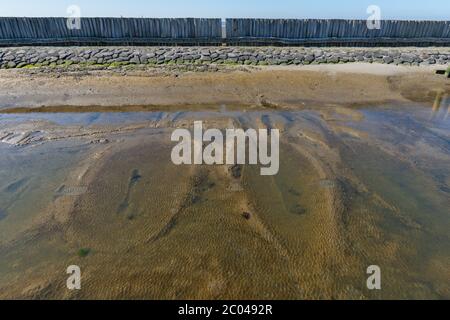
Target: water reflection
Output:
[(441, 107)]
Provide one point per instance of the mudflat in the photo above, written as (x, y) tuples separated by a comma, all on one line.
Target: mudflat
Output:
[(285, 86), (86, 179)]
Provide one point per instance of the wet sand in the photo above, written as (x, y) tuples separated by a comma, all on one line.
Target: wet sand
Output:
[(276, 86), (364, 179)]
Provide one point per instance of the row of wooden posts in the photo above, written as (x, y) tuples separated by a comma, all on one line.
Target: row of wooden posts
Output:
[(179, 31)]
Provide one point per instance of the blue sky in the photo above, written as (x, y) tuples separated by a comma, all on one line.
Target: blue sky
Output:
[(390, 9)]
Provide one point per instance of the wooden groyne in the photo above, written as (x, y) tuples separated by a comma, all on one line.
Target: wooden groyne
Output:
[(120, 31), (193, 31), (337, 32)]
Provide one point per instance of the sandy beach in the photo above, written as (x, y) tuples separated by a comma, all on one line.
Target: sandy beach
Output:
[(87, 180), (271, 85)]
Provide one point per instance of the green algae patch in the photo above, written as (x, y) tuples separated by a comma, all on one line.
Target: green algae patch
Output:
[(84, 252)]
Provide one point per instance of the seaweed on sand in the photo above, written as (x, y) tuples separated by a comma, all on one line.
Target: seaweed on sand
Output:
[(84, 252)]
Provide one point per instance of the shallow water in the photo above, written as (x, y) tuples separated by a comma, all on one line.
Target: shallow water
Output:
[(357, 187)]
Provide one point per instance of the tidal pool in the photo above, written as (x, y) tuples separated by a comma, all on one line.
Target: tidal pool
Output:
[(357, 186)]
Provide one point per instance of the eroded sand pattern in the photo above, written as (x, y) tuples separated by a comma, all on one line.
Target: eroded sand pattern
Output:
[(347, 196), (358, 186)]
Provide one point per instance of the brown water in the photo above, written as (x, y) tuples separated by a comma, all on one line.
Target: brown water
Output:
[(356, 187)]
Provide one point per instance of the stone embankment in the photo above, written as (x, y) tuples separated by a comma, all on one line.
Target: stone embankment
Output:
[(29, 57)]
